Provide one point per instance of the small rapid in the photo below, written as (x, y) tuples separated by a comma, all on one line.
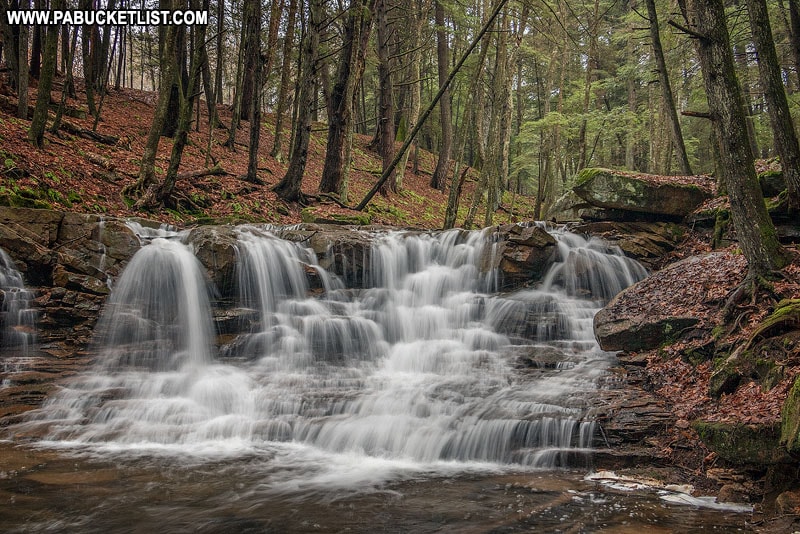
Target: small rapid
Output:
[(424, 368), (17, 317)]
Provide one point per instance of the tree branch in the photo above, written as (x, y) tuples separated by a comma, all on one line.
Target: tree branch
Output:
[(686, 30), (417, 127)]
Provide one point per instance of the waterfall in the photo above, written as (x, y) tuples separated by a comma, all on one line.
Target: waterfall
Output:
[(423, 366), (18, 318)]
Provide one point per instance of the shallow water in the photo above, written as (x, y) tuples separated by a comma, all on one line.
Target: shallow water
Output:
[(49, 491)]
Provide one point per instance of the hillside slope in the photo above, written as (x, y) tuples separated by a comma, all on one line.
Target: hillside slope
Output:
[(77, 173)]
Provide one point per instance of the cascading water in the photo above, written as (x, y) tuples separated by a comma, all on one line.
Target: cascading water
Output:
[(422, 368), (18, 318)]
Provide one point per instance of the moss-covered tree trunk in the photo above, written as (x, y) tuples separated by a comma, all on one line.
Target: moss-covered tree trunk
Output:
[(754, 228)]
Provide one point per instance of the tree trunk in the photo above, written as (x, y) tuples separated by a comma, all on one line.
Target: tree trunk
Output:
[(666, 91), (340, 114), (169, 71), (495, 145), (220, 35), (22, 72), (188, 94), (386, 96), (238, 90), (592, 65), (288, 188), (439, 177), (283, 91), (794, 34), (255, 104), (754, 228), (777, 104), (48, 71)]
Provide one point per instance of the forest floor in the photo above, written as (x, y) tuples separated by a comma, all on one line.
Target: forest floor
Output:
[(74, 173)]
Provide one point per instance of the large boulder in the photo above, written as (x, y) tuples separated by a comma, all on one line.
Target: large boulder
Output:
[(668, 304), (671, 196)]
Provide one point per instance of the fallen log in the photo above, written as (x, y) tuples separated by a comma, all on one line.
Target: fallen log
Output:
[(74, 129)]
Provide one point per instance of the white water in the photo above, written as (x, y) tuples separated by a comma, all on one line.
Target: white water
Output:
[(421, 371), (17, 318)]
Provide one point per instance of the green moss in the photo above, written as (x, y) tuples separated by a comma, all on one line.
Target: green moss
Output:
[(360, 219), (308, 215), (742, 444), (587, 174), (790, 419)]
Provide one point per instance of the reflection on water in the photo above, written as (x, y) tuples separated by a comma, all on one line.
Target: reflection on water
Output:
[(49, 491)]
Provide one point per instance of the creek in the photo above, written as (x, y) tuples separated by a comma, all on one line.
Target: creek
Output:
[(422, 400)]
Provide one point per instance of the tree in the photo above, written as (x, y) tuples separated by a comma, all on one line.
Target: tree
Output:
[(340, 114), (439, 177), (283, 90), (777, 103), (36, 132), (385, 133), (169, 70), (160, 194), (257, 67), (754, 228), (666, 91), (289, 187)]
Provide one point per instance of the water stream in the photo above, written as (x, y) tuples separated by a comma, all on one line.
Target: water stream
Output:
[(16, 315), (423, 375)]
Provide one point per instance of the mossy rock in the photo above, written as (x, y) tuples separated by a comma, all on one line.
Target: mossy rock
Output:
[(641, 193), (772, 183), (743, 364), (18, 201), (741, 444)]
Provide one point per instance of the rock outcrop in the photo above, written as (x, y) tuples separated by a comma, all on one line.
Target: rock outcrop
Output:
[(521, 255), (645, 316), (603, 194), (644, 194)]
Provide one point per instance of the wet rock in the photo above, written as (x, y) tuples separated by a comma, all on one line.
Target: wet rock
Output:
[(638, 333), (42, 226), (33, 259), (216, 248), (343, 250), (641, 193), (79, 282), (647, 242), (522, 255), (733, 493)]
